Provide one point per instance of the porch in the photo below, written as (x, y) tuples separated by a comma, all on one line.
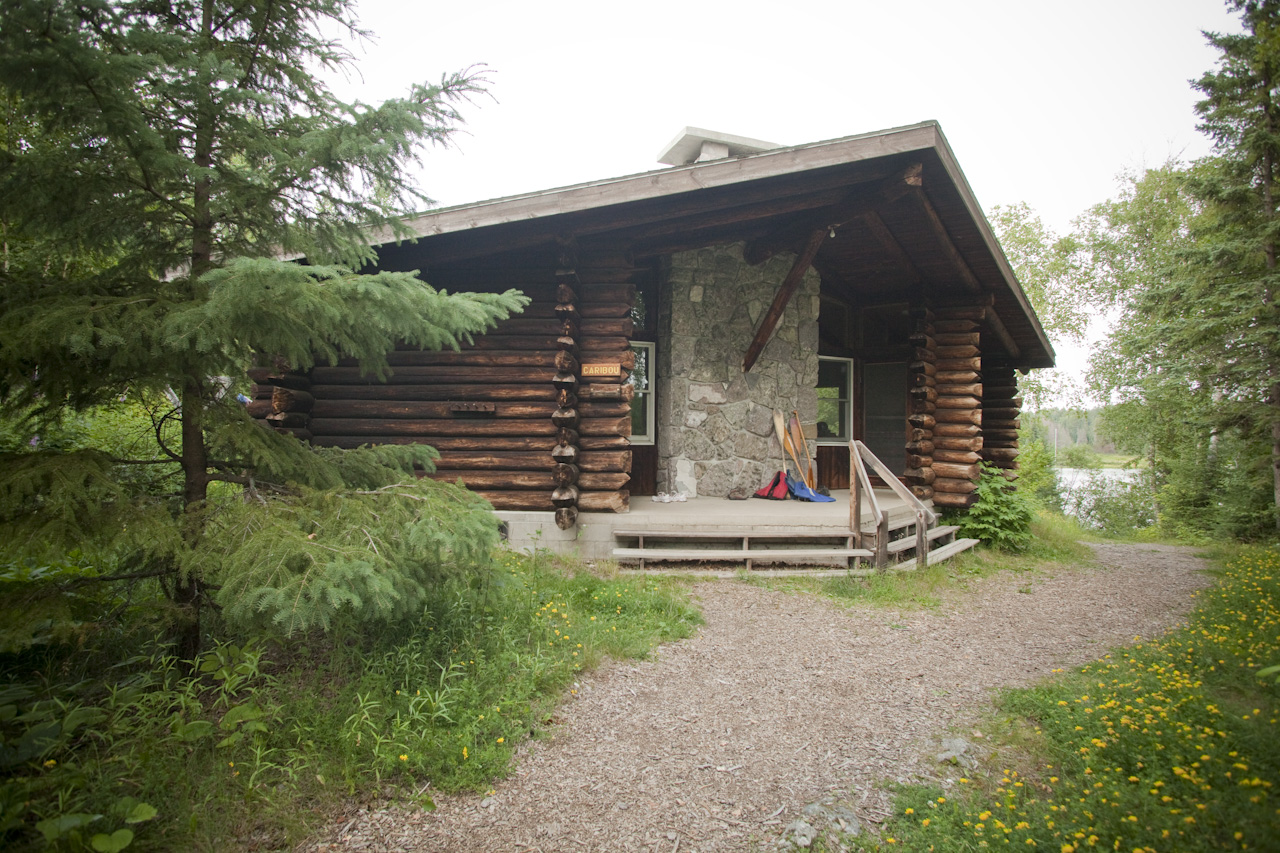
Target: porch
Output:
[(747, 534)]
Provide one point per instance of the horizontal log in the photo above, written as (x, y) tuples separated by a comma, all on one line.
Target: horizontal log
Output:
[(273, 377), (953, 353), (291, 400), (922, 380), (918, 434), (261, 392), (955, 471), (565, 417), (922, 420), (922, 340), (954, 377), (533, 391), (485, 443), (563, 360), (959, 339), (564, 496), (1002, 424), (605, 426), (923, 356), (565, 398), (953, 501), (259, 409), (972, 403), (567, 435), (1002, 435), (966, 312), (928, 368), (604, 310), (1004, 454), (950, 365), (954, 487), (960, 457), (299, 433), (470, 357), (604, 409), (922, 407), (924, 476), (944, 442), (565, 293), (514, 500), (517, 480), (603, 345), (924, 393), (603, 294), (564, 379), (566, 517), (289, 420), (1008, 466), (954, 326), (924, 493), (565, 454), (924, 448), (962, 430), (600, 391), (435, 374), (604, 442), (916, 460), (495, 460), (610, 501), (959, 416), (431, 428), (969, 389), (605, 461), (1002, 413), (603, 482), (425, 410)]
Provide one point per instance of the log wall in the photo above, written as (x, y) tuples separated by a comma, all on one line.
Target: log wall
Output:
[(921, 412), (512, 414), (958, 439), (1001, 412)]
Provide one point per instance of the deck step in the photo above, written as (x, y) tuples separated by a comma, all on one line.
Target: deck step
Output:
[(762, 554), (949, 550), (748, 533), (909, 542)]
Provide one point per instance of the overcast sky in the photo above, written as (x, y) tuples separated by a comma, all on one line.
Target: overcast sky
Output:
[(1042, 102)]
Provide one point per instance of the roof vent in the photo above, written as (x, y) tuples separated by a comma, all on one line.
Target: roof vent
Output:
[(695, 145)]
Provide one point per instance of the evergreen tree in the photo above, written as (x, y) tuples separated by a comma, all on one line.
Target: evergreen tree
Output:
[(161, 163), (1230, 335)]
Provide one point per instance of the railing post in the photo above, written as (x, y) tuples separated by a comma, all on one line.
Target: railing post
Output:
[(882, 541), (855, 497), (922, 541)]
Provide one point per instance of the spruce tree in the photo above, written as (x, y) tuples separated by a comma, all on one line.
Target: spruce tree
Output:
[(1232, 330), (164, 167)]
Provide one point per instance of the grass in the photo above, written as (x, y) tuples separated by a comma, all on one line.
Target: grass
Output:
[(1054, 543), (1168, 745), (103, 747)]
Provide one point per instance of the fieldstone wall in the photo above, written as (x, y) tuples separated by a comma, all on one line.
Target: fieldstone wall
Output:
[(715, 423)]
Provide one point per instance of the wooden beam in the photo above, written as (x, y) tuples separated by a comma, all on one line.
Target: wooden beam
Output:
[(769, 323), (890, 243), (996, 325), (944, 238), (851, 207)]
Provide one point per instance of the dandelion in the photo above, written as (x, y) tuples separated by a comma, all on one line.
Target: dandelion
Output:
[(502, 740), (404, 757)]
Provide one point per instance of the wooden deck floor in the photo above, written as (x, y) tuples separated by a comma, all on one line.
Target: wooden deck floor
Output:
[(760, 516)]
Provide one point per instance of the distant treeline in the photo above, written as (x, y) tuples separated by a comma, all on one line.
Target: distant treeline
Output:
[(1062, 428)]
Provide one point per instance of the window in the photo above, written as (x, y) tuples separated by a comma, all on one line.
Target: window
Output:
[(835, 400), (642, 404)]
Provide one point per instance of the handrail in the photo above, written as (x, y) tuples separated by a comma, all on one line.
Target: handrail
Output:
[(860, 482), (892, 481)]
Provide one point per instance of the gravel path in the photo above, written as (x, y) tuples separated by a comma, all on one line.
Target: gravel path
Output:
[(783, 701)]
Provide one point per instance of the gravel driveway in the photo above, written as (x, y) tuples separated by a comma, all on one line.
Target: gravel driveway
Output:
[(782, 702)]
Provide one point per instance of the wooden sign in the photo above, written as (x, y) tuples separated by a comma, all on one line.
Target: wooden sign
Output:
[(608, 369)]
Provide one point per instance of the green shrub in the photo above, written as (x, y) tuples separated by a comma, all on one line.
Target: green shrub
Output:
[(1002, 515)]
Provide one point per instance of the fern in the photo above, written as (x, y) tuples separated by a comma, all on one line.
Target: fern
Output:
[(1002, 515)]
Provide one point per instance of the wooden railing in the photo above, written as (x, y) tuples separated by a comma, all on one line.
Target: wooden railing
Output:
[(860, 456)]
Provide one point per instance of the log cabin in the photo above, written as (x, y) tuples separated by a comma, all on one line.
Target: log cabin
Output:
[(855, 282)]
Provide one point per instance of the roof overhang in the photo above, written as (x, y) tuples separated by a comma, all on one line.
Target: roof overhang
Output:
[(936, 237)]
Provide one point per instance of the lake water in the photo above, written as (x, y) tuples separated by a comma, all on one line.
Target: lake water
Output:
[(1072, 482)]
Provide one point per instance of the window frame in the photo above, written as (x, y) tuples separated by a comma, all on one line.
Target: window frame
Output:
[(849, 388), (650, 435)]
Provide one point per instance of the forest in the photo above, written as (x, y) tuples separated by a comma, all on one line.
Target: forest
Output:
[(213, 636)]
